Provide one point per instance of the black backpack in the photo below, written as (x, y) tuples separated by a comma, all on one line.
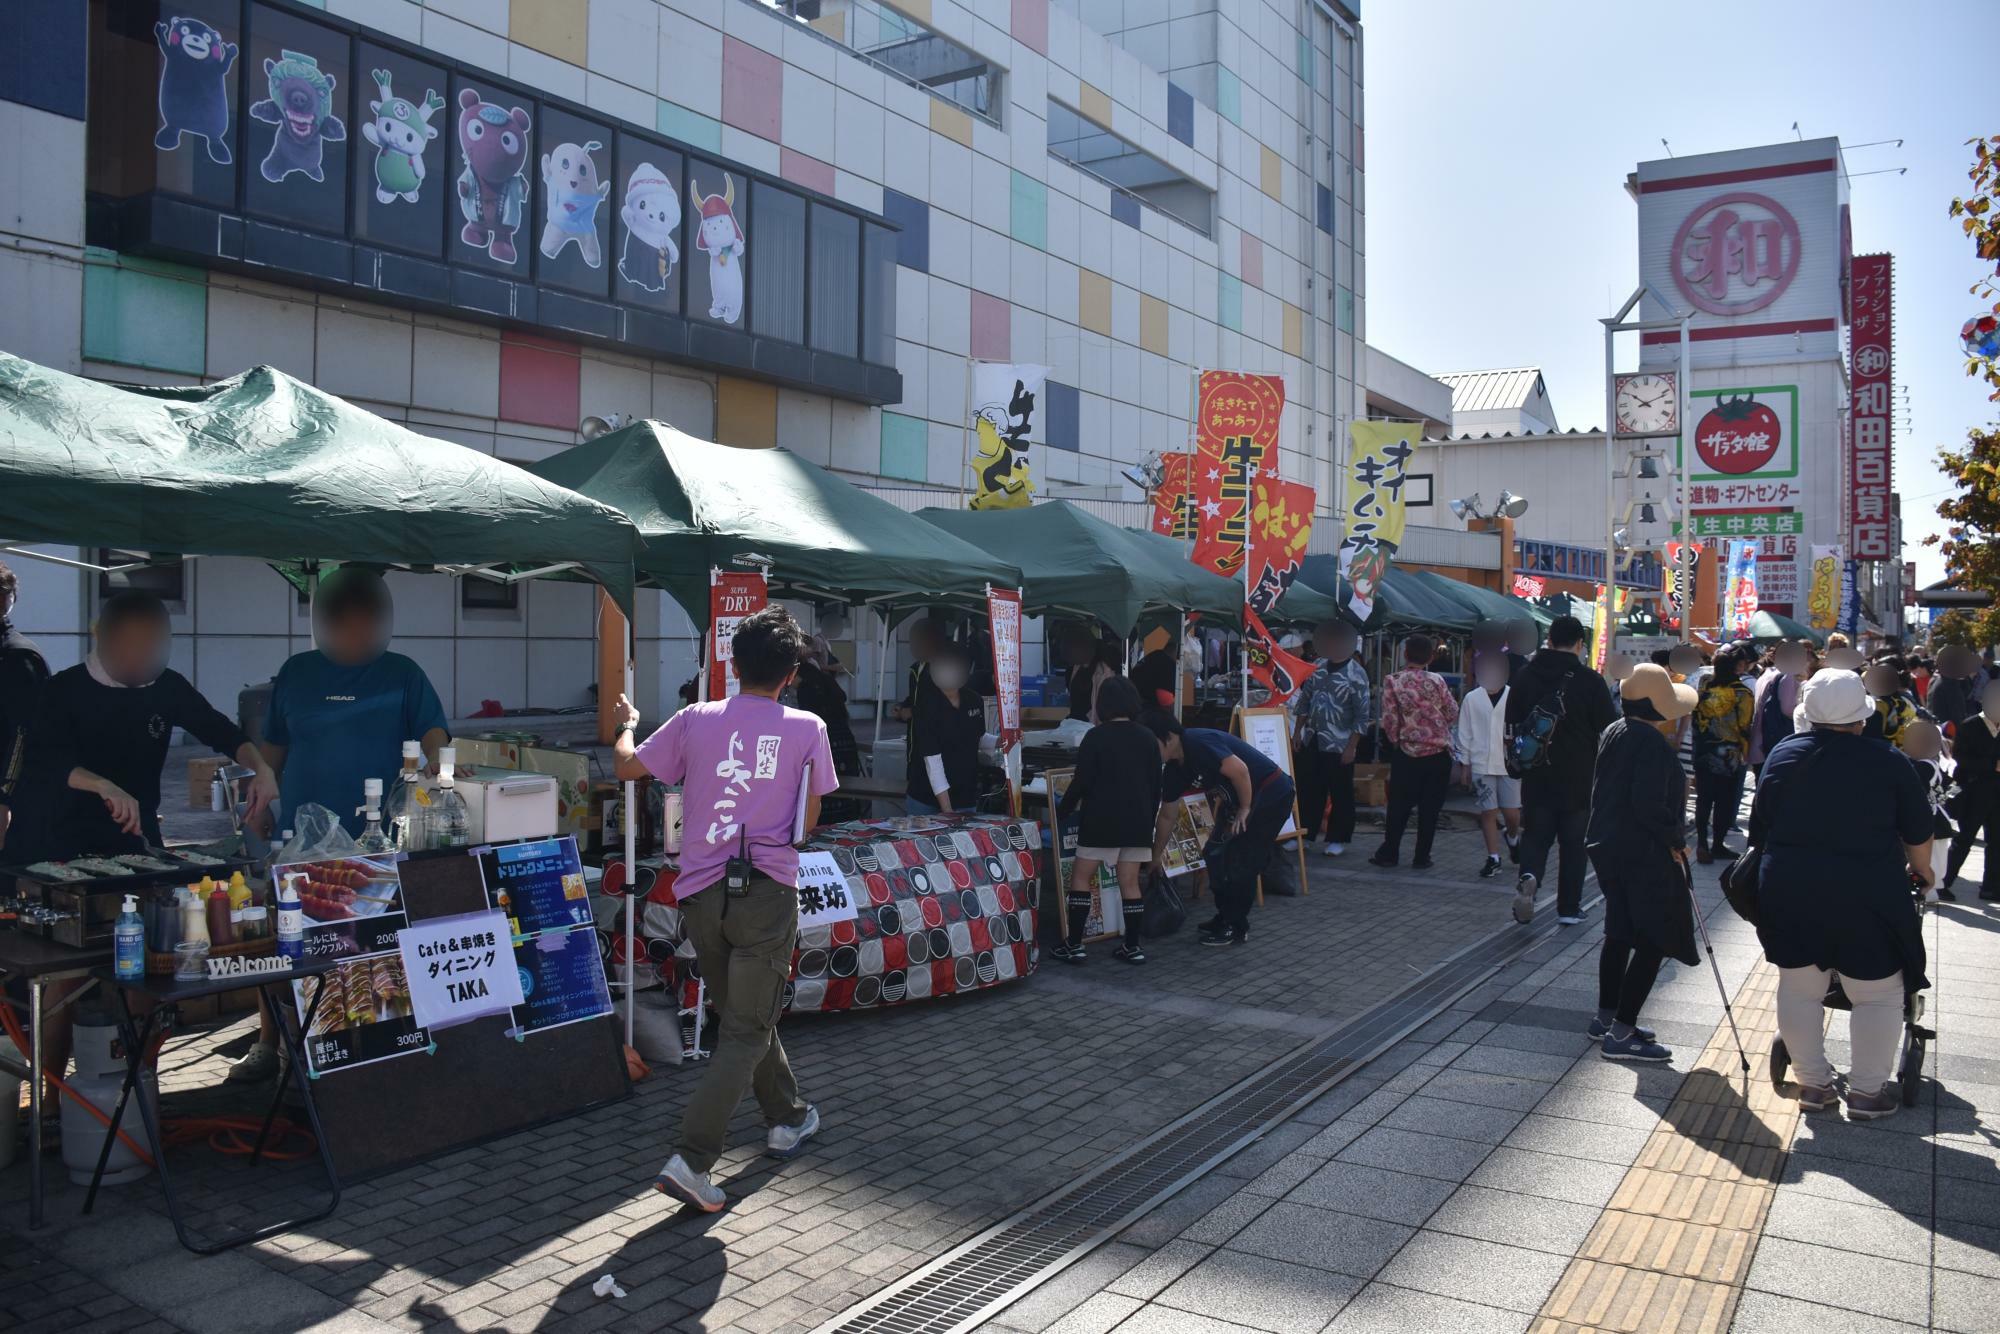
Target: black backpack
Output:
[(1531, 742)]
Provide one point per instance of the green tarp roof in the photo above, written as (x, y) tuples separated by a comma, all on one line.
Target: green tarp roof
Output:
[(1486, 604), (1768, 627), (266, 466), (699, 505), (1073, 561)]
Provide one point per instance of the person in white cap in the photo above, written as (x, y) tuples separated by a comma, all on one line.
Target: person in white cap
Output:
[(1843, 825), (1638, 843)]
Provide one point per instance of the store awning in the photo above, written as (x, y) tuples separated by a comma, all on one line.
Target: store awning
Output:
[(266, 466), (699, 505), (1767, 627), (1073, 562)]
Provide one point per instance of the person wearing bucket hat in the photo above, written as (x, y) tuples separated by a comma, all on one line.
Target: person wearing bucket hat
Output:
[(1637, 840), (1843, 823)]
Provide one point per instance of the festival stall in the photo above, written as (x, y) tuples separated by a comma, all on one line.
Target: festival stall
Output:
[(1768, 627), (263, 466)]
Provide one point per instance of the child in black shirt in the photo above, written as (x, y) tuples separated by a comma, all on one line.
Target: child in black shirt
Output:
[(1117, 783)]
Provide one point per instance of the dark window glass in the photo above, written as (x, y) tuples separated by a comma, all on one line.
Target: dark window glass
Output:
[(572, 222), (878, 295), (778, 299), (717, 244), (647, 195), (476, 594), (492, 133), (402, 131), (836, 280), (165, 577), (296, 132), (189, 66)]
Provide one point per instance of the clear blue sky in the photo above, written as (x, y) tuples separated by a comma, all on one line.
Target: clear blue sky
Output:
[(1499, 137)]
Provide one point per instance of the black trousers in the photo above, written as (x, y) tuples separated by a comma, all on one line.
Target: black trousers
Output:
[(1717, 798), (1625, 976), (1546, 822), (1973, 816), (1326, 795), (1244, 857), (1416, 783)]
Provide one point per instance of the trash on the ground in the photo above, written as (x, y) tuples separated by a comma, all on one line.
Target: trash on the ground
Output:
[(607, 1286)]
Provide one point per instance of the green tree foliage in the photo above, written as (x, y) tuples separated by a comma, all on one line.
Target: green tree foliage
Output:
[(1971, 544), (1979, 214)]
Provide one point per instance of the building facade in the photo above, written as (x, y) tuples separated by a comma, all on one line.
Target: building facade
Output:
[(770, 224)]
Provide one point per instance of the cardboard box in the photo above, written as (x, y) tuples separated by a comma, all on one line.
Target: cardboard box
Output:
[(1371, 785), (201, 774)]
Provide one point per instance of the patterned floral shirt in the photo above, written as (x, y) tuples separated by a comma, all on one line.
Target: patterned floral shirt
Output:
[(1418, 712), (1331, 706)]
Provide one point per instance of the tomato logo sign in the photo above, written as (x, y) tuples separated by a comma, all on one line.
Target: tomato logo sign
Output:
[(1738, 435)]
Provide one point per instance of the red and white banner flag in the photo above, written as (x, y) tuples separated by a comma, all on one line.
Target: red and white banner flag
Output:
[(732, 598), (1236, 439), (1281, 519), (1003, 614)]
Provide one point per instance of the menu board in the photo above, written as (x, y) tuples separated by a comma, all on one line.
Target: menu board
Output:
[(541, 889), (353, 908)]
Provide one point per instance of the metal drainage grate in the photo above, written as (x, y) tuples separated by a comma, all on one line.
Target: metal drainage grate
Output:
[(992, 1270)]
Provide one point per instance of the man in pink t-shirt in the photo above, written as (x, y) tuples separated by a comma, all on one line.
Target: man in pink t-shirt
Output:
[(752, 773)]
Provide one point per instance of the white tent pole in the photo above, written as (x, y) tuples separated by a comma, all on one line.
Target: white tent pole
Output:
[(881, 674), (631, 852)]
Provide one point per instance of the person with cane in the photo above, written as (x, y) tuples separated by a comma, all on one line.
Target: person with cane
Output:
[(1637, 841)]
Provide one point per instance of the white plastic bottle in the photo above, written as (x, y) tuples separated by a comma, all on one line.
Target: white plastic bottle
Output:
[(128, 937), (291, 917)]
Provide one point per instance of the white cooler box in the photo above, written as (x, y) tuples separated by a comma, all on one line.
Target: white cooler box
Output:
[(507, 806)]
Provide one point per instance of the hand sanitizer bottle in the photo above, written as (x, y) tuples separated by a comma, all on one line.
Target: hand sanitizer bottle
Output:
[(128, 936), (291, 917)]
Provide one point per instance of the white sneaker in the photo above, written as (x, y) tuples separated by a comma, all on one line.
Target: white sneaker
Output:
[(785, 1141), (1569, 921), (689, 1186), (1333, 849)]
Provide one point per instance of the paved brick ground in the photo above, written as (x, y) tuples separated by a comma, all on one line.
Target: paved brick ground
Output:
[(940, 1118)]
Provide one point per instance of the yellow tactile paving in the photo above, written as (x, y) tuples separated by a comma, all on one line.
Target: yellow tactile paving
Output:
[(1672, 1248)]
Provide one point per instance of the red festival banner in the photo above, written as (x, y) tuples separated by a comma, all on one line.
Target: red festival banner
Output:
[(1173, 499), (1281, 519), (1236, 438), (732, 597), (1003, 614), (1871, 336)]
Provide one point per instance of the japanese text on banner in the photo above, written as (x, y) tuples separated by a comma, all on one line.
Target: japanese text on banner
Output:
[(1281, 519), (1003, 614), (1823, 589), (1377, 466), (1004, 421), (1173, 499), (1604, 623), (1739, 596), (460, 968), (824, 894), (1236, 438), (732, 597), (1871, 337)]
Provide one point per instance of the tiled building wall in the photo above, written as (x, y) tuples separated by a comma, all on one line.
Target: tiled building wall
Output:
[(1006, 253)]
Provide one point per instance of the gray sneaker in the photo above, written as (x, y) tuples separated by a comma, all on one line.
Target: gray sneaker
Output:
[(1873, 1106), (786, 1141), (689, 1186), (1524, 898), (1813, 1098), (256, 1065)]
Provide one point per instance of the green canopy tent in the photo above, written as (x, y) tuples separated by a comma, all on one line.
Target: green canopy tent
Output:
[(699, 506), (1490, 607), (1768, 627), (1405, 601), (1073, 562), (266, 466)]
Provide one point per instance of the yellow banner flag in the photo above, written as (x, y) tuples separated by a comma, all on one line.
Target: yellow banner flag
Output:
[(1377, 466)]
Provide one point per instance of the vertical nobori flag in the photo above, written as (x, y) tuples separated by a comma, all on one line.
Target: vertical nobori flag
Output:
[(1378, 462), (1823, 589), (1173, 498), (1610, 610), (1281, 519), (1004, 418), (1236, 440), (1739, 595)]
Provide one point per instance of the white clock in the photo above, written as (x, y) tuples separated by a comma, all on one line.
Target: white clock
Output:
[(1647, 403)]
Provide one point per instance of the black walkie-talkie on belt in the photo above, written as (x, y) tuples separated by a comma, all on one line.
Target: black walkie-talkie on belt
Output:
[(737, 874)]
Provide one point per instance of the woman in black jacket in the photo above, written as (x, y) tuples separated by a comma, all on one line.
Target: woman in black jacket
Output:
[(1117, 782), (1976, 753), (1638, 843), (1844, 823)]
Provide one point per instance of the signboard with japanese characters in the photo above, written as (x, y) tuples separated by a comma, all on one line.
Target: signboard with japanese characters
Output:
[(1870, 515), (1378, 459), (539, 885), (1173, 499), (1280, 528), (460, 968), (1748, 434), (823, 894), (1003, 615), (353, 912), (1749, 241), (732, 598)]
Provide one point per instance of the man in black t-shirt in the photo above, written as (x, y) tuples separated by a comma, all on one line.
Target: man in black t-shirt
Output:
[(943, 773), (100, 738), (1253, 799)]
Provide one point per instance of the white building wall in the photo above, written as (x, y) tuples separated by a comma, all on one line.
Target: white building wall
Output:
[(1124, 315)]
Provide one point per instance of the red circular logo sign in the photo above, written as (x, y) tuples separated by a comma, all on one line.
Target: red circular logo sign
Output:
[(1736, 253), (1737, 435)]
